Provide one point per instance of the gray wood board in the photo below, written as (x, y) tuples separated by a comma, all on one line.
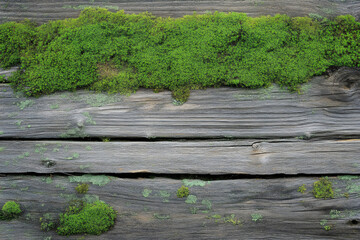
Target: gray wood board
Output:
[(44, 10), (190, 157), (157, 213), (328, 108), (7, 72)]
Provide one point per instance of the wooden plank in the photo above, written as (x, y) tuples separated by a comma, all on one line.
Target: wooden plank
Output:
[(285, 212), (174, 157), (44, 10), (7, 72), (328, 107)]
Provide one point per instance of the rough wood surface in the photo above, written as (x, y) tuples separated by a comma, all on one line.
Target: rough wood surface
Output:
[(328, 108), (44, 10), (173, 157), (157, 213), (7, 72)]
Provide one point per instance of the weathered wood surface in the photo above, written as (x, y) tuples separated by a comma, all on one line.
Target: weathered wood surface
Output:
[(7, 72), (328, 108), (286, 213), (44, 10), (174, 157)]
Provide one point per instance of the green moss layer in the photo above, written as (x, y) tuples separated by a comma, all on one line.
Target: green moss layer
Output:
[(118, 52)]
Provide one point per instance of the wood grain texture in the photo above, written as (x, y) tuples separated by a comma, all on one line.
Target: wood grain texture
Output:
[(44, 10), (7, 72), (286, 213), (173, 157), (328, 108)]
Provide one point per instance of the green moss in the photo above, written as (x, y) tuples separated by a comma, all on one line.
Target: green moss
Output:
[(73, 156), (181, 95), (100, 180), (47, 222), (194, 210), (54, 106), (74, 133), (82, 188), (256, 217), (114, 52), (207, 204), (335, 214), (353, 188), (146, 192), (348, 177), (191, 199), (302, 189), (2, 149), (324, 224), (92, 219), (47, 180), (216, 216), (183, 192), (323, 188), (89, 118), (10, 210), (232, 219), (192, 183), (24, 104), (2, 79)]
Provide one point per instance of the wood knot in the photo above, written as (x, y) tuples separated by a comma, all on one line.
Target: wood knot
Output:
[(354, 221), (256, 146)]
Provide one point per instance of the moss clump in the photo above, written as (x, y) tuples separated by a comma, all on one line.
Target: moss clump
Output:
[(82, 188), (10, 210), (183, 192), (181, 94), (323, 188), (95, 218), (47, 223)]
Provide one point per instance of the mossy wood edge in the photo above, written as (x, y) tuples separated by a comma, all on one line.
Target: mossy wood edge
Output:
[(328, 107), (252, 157), (45, 10), (223, 209)]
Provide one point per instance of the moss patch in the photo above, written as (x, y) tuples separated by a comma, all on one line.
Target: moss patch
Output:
[(82, 188), (191, 199), (192, 183), (95, 218), (302, 189), (10, 210), (323, 188), (146, 192), (100, 180), (182, 192)]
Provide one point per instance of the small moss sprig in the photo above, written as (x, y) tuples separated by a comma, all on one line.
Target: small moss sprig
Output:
[(183, 192), (302, 189)]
